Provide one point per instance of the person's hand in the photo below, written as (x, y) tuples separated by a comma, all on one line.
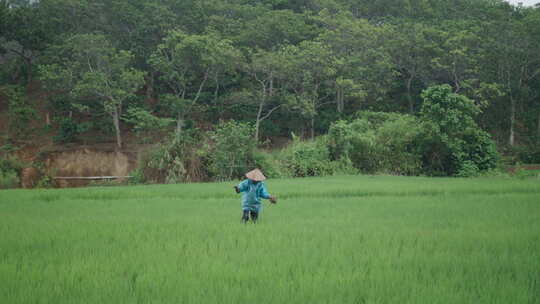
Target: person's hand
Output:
[(273, 199), (236, 189)]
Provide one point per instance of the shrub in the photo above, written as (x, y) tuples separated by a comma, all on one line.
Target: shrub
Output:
[(9, 180), (378, 142), (10, 171), (468, 169), (174, 161), (270, 164), (46, 181), (67, 132), (452, 143), (307, 158), (230, 150)]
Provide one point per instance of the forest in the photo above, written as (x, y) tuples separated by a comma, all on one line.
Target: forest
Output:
[(299, 87)]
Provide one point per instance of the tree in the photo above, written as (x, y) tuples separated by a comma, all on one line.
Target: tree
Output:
[(304, 70), (275, 28), (453, 144), (89, 68), (457, 59), (362, 61), (25, 33), (512, 61), (412, 50), (20, 112), (264, 70), (138, 26), (186, 63)]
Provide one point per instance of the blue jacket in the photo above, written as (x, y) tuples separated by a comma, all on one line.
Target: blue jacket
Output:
[(252, 193)]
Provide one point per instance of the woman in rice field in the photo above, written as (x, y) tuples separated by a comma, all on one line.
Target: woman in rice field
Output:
[(253, 189)]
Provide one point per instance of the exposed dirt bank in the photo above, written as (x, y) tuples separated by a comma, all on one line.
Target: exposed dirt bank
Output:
[(79, 161)]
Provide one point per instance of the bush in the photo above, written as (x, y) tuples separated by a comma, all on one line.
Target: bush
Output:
[(270, 164), (10, 171), (223, 154), (307, 158), (174, 161), (377, 142), (9, 180), (230, 150), (396, 145), (67, 132), (452, 143), (468, 169)]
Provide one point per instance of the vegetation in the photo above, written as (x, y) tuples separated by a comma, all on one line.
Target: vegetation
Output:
[(10, 172), (409, 87), (444, 140), (342, 239)]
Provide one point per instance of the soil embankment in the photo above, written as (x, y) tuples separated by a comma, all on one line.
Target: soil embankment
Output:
[(82, 161), (88, 162)]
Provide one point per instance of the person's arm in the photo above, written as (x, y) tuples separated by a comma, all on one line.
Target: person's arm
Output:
[(264, 194), (242, 187)]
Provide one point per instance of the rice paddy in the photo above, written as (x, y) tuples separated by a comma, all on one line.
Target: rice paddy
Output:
[(361, 239)]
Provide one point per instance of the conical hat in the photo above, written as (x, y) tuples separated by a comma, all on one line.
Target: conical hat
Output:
[(256, 175)]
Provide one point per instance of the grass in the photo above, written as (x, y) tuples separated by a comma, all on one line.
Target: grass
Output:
[(329, 240)]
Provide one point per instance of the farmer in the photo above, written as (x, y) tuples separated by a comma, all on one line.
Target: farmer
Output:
[(253, 189)]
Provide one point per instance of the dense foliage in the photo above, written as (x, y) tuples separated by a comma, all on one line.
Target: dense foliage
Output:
[(444, 140), (453, 144), (109, 69), (379, 143)]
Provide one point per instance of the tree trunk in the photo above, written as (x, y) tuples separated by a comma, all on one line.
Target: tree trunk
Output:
[(257, 124), (313, 127), (258, 121), (340, 104), (149, 79), (409, 96), (538, 130), (260, 110), (179, 124), (216, 91), (116, 121), (29, 72), (512, 120)]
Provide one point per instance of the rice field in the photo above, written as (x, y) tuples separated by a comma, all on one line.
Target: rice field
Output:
[(361, 239)]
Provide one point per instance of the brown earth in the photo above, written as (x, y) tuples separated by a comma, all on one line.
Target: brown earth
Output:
[(98, 160), (77, 161), (30, 177)]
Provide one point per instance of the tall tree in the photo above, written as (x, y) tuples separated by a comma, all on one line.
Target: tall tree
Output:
[(89, 68), (413, 48), (264, 71), (26, 33), (363, 63), (513, 60), (307, 70), (457, 61), (187, 63)]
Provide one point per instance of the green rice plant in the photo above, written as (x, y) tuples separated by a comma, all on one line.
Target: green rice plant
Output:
[(340, 239)]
